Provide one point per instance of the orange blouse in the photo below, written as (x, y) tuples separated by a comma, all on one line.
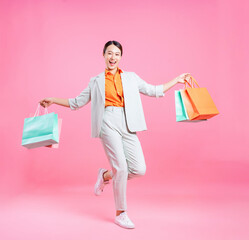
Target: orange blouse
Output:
[(113, 89)]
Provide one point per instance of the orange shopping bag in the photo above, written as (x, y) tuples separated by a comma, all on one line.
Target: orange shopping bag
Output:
[(198, 102)]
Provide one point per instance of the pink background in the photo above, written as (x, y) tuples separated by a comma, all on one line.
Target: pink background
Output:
[(52, 48)]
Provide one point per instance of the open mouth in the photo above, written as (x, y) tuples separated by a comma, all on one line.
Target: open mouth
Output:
[(112, 62)]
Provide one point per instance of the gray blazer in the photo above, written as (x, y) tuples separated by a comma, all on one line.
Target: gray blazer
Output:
[(132, 86)]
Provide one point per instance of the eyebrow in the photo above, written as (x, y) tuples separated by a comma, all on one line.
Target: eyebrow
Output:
[(114, 52)]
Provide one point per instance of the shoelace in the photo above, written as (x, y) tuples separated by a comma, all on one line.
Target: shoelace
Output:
[(125, 218)]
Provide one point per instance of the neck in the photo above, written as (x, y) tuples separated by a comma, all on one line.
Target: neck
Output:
[(113, 71)]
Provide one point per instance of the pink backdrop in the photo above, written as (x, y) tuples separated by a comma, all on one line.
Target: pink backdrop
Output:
[(52, 48)]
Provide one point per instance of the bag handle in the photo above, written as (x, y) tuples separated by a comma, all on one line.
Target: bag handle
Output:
[(192, 81), (37, 112), (186, 82)]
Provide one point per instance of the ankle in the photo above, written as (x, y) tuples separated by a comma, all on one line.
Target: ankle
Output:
[(118, 212), (104, 176)]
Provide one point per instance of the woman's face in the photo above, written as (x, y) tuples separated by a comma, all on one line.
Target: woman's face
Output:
[(112, 57)]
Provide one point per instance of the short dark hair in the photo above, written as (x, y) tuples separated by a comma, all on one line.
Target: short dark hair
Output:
[(117, 44)]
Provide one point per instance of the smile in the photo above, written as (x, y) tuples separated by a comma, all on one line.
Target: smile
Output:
[(112, 63)]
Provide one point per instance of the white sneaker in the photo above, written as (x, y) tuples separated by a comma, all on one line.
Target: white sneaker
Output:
[(123, 221), (100, 183)]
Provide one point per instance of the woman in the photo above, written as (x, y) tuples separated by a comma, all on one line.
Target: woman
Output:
[(116, 116)]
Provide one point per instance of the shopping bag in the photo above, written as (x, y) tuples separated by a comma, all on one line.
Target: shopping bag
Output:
[(56, 145), (39, 131), (198, 102), (181, 113), (187, 104)]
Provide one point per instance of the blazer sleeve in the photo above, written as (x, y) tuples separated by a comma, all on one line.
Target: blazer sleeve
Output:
[(82, 99), (149, 89)]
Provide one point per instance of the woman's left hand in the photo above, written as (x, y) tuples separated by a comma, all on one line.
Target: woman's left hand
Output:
[(183, 77)]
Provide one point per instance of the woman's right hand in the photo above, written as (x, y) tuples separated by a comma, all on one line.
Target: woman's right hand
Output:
[(46, 102)]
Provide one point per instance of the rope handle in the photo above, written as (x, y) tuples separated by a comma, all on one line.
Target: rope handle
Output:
[(192, 82), (37, 112), (186, 82)]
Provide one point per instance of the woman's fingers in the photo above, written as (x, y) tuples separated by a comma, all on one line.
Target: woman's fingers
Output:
[(46, 102), (43, 103), (187, 76)]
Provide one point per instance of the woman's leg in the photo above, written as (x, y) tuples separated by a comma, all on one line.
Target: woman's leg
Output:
[(134, 155), (133, 152), (124, 152), (111, 138), (107, 175)]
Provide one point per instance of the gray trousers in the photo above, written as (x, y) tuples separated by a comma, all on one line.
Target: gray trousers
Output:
[(124, 152)]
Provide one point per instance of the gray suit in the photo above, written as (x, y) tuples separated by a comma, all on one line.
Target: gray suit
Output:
[(132, 86), (117, 127)]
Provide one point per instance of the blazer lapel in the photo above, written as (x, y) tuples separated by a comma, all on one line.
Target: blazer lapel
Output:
[(123, 79), (101, 84)]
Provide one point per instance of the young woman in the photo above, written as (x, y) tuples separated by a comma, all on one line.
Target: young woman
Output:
[(116, 116)]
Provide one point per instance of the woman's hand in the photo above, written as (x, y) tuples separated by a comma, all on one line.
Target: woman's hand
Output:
[(46, 102), (183, 77), (180, 79)]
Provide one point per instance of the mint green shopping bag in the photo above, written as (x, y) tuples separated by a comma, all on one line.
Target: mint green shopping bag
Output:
[(181, 113), (39, 131)]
